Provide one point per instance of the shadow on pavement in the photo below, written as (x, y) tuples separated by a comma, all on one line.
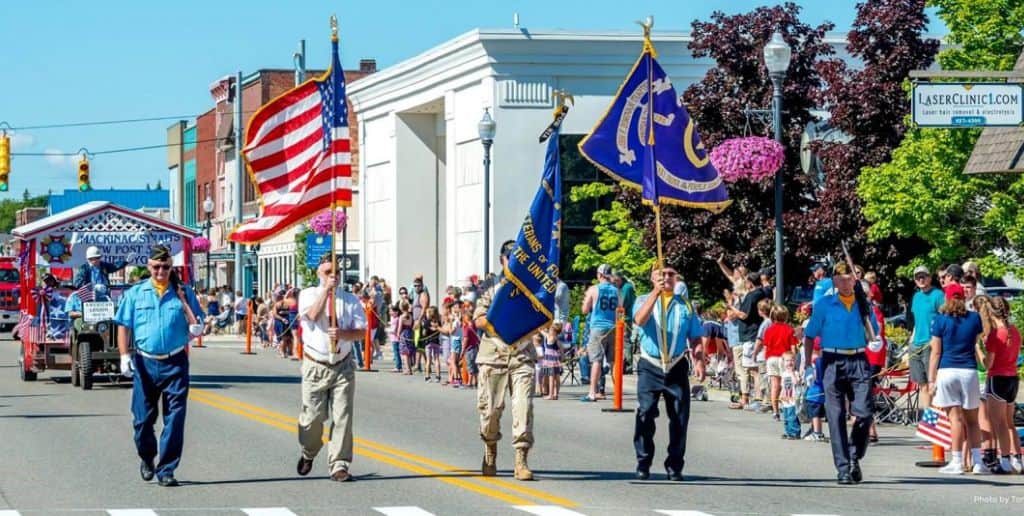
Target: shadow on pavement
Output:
[(56, 416), (221, 379), (186, 483)]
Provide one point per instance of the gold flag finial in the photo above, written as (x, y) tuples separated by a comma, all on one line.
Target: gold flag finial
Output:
[(647, 25), (560, 97), (334, 28)]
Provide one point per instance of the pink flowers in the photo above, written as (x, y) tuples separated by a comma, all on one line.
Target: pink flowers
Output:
[(200, 244), (321, 222), (753, 158)]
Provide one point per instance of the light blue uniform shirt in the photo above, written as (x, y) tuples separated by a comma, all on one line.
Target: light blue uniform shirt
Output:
[(158, 325), (822, 288), (838, 327), (683, 324), (73, 304)]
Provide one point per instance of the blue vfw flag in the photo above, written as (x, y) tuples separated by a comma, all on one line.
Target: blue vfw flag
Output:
[(524, 303), (655, 150)]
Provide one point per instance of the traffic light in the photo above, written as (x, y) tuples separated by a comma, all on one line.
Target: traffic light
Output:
[(5, 161), (83, 175)]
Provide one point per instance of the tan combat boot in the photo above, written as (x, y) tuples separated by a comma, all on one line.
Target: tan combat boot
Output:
[(490, 465), (522, 469)]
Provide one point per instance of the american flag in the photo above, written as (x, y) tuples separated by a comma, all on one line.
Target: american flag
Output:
[(23, 322), (298, 151), (85, 293), (934, 427)]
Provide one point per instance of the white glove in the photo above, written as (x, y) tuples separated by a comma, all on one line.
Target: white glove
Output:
[(875, 345), (127, 366), (195, 330)]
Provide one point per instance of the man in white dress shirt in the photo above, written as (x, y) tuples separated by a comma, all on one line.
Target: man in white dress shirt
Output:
[(328, 371)]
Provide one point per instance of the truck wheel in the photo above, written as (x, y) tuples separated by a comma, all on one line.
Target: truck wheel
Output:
[(24, 373), (85, 365), (75, 379)]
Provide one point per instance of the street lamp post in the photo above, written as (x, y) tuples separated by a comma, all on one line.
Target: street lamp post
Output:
[(487, 128), (777, 55), (208, 209)]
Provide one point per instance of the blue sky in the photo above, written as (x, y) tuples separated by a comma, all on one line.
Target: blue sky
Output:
[(74, 61)]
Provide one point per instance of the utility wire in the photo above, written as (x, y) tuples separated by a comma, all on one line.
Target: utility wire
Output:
[(108, 122), (114, 151)]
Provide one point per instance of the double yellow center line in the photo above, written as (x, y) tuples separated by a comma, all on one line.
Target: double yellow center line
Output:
[(492, 487)]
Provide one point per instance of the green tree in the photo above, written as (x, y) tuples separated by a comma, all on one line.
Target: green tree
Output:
[(307, 274), (9, 207), (620, 243), (922, 191)]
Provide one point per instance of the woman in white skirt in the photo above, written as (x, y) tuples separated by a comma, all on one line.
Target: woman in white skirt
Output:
[(953, 379)]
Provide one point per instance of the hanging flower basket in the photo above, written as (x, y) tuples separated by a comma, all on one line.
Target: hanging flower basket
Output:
[(321, 222), (200, 244), (754, 158)]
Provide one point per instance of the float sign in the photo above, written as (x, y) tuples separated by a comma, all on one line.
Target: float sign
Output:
[(953, 104)]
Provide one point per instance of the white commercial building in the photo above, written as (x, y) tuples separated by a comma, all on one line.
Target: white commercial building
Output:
[(421, 164)]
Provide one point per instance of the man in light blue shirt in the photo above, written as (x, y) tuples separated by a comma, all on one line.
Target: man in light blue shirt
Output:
[(161, 315), (669, 377), (924, 306), (822, 283), (847, 375)]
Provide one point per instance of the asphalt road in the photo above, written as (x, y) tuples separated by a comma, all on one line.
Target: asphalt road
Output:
[(67, 451)]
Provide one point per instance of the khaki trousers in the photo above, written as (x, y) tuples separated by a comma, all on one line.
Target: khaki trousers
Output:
[(741, 372), (503, 370), (328, 393)]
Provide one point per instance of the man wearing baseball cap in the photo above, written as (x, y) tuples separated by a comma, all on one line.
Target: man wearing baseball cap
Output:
[(924, 306), (601, 305), (95, 271), (160, 315), (822, 283)]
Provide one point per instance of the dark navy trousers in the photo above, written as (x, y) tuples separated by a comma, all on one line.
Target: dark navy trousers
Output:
[(652, 384), (164, 382), (847, 377)]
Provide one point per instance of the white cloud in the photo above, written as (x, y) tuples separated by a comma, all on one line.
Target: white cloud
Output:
[(21, 141), (56, 157)]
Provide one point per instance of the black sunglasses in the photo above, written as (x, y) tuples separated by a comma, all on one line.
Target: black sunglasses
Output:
[(161, 267)]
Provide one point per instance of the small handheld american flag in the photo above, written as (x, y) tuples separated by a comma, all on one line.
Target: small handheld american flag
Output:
[(85, 293), (934, 427)]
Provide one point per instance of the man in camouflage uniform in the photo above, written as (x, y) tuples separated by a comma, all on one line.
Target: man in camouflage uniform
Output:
[(504, 368)]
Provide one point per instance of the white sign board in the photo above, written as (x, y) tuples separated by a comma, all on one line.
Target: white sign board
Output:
[(952, 104), (68, 250), (98, 311)]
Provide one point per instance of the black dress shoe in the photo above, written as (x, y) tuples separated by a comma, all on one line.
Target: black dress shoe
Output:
[(146, 470), (304, 466), (855, 473), (675, 476), (845, 479), (643, 473), (168, 481)]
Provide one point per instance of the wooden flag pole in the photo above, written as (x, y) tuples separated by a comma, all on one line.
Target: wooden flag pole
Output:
[(331, 312), (649, 49)]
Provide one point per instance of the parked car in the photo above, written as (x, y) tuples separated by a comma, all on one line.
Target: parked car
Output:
[(898, 320), (1007, 292)]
